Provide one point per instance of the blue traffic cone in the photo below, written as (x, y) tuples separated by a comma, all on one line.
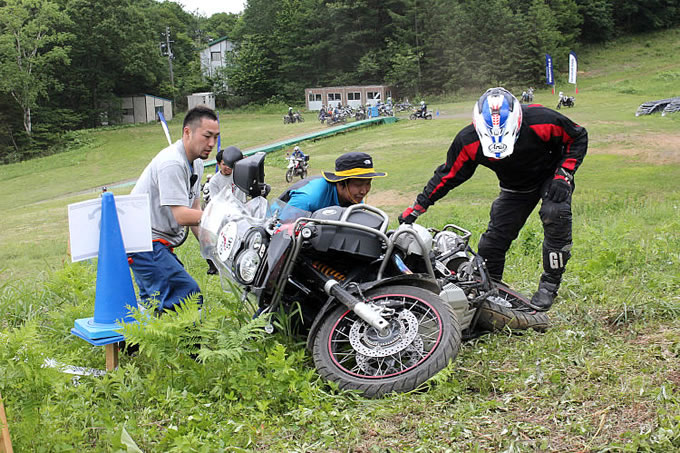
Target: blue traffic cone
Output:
[(114, 292)]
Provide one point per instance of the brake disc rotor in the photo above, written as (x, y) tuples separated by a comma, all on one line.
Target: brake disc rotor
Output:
[(368, 342), (408, 357)]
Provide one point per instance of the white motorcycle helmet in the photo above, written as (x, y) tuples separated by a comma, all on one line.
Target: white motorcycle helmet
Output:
[(296, 149), (497, 118)]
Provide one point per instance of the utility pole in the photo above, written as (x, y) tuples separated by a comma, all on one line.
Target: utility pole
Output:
[(166, 50)]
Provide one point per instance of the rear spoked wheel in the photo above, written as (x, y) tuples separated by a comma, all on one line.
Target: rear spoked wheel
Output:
[(510, 309)]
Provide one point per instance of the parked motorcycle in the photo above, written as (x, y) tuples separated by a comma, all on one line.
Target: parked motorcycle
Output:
[(418, 114), (297, 166), (566, 101), (382, 310)]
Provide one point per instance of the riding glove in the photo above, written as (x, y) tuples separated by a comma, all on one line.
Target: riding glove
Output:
[(411, 214), (560, 189)]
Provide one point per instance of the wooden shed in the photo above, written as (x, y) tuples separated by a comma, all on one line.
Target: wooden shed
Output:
[(144, 108)]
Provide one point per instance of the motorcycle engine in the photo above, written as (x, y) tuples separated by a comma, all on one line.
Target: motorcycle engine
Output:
[(449, 249), (408, 244)]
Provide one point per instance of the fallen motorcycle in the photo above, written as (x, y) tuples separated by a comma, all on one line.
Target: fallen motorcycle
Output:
[(382, 310)]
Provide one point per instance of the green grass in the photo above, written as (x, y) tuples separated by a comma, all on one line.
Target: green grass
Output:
[(604, 378)]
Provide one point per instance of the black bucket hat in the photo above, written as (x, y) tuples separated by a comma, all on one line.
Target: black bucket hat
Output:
[(353, 165)]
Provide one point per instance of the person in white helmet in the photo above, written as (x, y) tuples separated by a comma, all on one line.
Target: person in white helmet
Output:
[(534, 152), (422, 109)]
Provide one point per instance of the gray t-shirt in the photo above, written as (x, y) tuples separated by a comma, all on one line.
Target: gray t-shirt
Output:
[(219, 181), (166, 179)]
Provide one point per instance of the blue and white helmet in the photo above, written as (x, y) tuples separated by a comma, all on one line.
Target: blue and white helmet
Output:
[(497, 118)]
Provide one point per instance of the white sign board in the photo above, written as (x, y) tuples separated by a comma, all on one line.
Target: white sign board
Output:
[(134, 217)]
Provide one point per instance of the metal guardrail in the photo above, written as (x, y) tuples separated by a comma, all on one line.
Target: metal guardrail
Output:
[(315, 136)]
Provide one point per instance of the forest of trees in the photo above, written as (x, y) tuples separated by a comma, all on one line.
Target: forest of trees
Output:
[(65, 63)]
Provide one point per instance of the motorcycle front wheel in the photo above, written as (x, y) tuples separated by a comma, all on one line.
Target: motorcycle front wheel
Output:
[(422, 338), (412, 116), (510, 309), (289, 175)]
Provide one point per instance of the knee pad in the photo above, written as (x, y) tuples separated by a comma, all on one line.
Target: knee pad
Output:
[(555, 213)]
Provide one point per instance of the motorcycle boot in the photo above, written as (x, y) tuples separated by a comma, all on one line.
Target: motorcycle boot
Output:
[(554, 263), (544, 297)]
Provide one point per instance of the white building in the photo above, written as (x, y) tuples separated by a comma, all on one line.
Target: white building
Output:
[(214, 56), (201, 99), (354, 96)]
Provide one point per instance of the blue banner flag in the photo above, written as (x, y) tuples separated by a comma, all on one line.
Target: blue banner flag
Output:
[(549, 80), (165, 127)]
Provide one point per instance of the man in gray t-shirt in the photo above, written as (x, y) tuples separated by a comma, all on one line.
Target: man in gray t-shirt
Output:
[(172, 180)]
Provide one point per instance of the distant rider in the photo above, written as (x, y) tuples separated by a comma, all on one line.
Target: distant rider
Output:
[(423, 109)]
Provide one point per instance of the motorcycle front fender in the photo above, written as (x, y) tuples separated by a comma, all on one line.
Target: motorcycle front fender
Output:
[(423, 281)]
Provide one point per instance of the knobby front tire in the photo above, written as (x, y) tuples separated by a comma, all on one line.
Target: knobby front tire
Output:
[(424, 336)]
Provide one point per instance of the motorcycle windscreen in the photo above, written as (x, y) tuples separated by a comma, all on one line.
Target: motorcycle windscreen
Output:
[(226, 209)]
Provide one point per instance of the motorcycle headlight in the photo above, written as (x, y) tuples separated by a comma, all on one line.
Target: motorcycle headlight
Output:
[(246, 265)]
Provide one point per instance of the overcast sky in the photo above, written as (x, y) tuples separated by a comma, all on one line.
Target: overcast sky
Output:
[(210, 7)]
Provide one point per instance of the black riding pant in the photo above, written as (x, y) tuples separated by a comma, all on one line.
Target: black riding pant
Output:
[(509, 213)]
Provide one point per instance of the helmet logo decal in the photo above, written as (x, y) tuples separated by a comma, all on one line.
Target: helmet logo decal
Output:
[(497, 147)]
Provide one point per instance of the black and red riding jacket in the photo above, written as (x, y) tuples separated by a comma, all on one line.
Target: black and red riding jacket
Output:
[(548, 143)]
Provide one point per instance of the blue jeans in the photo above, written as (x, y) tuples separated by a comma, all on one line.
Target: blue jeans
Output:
[(161, 275)]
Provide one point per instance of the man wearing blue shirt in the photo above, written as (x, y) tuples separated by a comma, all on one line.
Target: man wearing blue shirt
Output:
[(348, 185)]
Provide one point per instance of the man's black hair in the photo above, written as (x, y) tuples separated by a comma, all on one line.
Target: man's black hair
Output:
[(218, 158), (194, 116)]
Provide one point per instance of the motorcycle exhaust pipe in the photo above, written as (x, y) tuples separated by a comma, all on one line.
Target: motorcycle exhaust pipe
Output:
[(363, 310)]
